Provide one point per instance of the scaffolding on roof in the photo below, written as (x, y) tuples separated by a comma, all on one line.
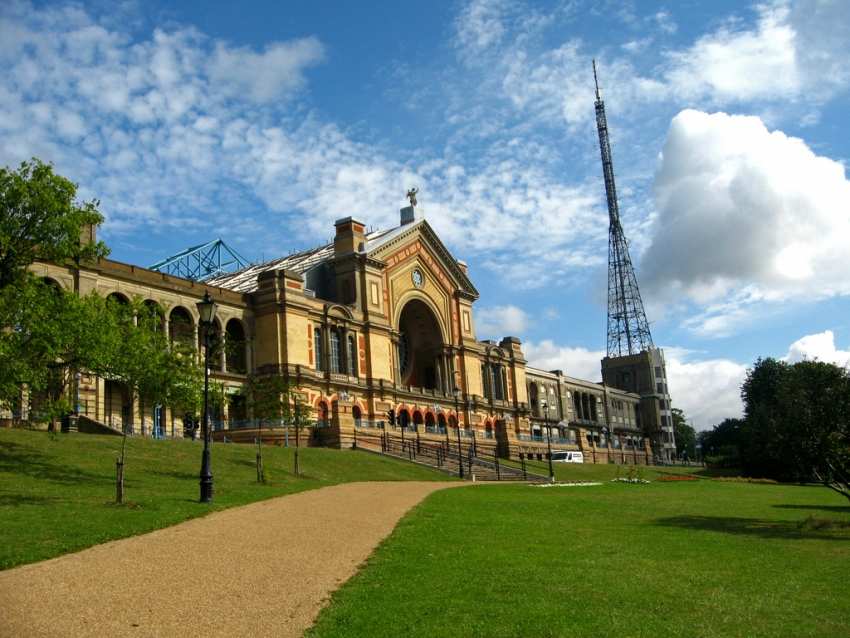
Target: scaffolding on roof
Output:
[(202, 262)]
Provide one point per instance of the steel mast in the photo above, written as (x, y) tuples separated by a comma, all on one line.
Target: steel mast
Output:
[(628, 329)]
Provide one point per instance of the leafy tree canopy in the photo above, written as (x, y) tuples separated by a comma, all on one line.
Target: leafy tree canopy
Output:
[(40, 218), (685, 435)]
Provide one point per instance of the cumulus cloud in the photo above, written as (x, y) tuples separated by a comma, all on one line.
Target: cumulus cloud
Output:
[(175, 128), (707, 390), (745, 216), (741, 64), (500, 321), (575, 362), (275, 72), (795, 50), (820, 347)]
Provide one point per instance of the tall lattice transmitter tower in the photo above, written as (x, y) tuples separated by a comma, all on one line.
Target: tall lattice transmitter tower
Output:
[(633, 363)]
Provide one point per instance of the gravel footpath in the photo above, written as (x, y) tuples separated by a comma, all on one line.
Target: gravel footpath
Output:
[(264, 569)]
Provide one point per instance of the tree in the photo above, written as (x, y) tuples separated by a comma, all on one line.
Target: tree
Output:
[(685, 435), (797, 422), (272, 398), (49, 336), (721, 445), (41, 219), (814, 412), (138, 354)]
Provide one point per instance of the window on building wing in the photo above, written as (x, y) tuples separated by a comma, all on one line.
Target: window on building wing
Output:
[(352, 356), (335, 352), (317, 348)]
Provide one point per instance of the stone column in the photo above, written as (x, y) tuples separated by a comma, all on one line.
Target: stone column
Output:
[(223, 342), (394, 339), (197, 342)]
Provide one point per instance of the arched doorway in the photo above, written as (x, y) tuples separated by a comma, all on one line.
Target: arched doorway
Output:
[(417, 420), (323, 413), (430, 423), (420, 347), (441, 422), (358, 416), (403, 418)]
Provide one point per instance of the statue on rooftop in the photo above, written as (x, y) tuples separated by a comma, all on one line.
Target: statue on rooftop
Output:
[(411, 195)]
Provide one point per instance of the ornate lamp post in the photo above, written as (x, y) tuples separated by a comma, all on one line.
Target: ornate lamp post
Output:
[(456, 392), (545, 405), (206, 309)]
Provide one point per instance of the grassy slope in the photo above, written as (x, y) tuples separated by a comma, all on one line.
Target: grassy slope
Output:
[(698, 558), (56, 493)]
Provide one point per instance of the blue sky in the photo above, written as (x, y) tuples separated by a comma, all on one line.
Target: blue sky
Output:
[(262, 123)]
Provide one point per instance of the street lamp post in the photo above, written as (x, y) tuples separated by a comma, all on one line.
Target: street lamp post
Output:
[(545, 404), (607, 443), (456, 392), (206, 310)]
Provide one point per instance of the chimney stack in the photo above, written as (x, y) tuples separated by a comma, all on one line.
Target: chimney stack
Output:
[(350, 236)]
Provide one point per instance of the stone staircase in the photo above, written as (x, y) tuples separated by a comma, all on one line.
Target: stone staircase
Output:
[(444, 457)]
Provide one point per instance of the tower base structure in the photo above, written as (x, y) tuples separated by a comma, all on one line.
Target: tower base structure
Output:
[(645, 373)]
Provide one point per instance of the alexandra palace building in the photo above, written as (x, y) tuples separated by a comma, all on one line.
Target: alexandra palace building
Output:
[(373, 328)]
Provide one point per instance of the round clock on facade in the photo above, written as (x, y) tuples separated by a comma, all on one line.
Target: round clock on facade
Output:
[(418, 279)]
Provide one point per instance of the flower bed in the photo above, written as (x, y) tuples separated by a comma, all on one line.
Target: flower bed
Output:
[(677, 477)]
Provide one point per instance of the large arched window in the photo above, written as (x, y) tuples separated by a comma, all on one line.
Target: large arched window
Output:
[(235, 342), (352, 355), (181, 328), (335, 352), (318, 349), (215, 345), (533, 399), (152, 315)]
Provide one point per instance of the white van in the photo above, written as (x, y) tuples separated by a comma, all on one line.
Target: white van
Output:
[(567, 457)]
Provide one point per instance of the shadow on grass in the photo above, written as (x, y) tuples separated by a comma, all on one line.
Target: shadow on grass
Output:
[(175, 474), (14, 500), (23, 460), (763, 528), (840, 509)]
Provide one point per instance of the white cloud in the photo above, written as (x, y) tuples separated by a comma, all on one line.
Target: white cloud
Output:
[(500, 321), (741, 64), (795, 50), (745, 216), (574, 362), (820, 347), (275, 72), (790, 58), (707, 390), (479, 25), (180, 127)]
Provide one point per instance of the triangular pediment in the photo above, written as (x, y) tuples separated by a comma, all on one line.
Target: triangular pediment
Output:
[(389, 246)]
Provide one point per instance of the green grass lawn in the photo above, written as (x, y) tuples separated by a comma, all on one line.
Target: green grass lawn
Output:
[(57, 492), (567, 472), (700, 558)]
